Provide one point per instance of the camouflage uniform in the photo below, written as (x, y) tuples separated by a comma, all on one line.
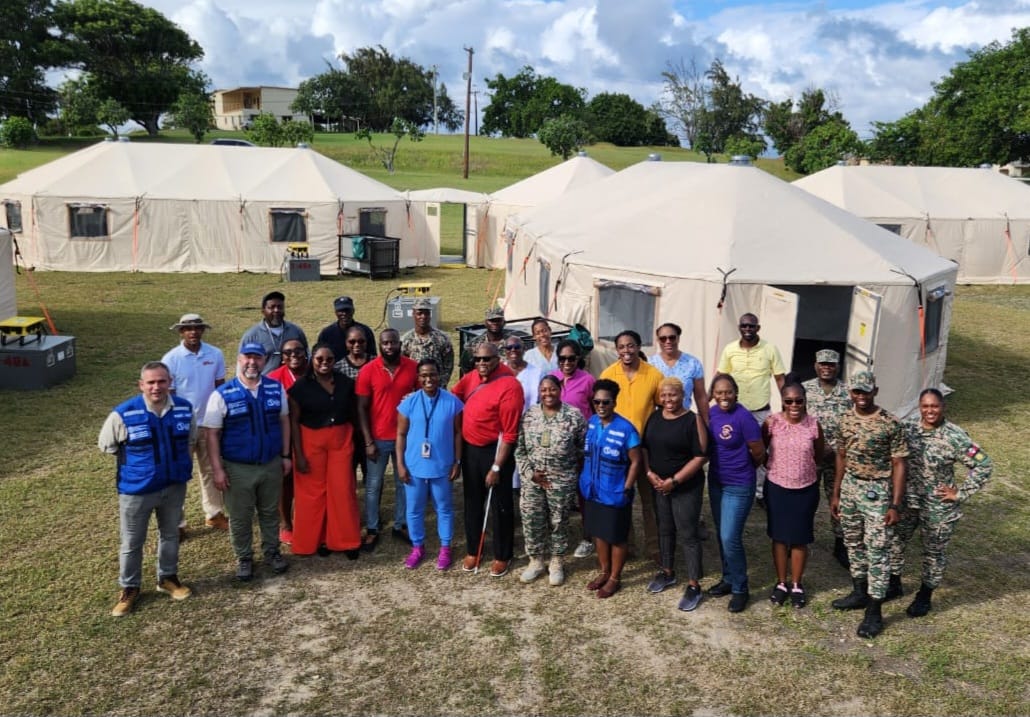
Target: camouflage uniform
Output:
[(470, 348), (869, 442), (436, 345), (828, 409), (933, 454), (553, 444)]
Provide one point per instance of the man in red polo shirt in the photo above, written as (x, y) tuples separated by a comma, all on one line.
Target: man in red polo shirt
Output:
[(493, 400), (381, 385)]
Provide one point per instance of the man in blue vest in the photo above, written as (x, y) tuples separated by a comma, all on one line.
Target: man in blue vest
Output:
[(151, 435), (247, 430)]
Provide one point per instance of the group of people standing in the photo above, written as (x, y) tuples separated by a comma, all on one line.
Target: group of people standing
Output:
[(284, 439)]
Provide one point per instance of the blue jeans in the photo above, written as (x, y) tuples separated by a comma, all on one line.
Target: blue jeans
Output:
[(134, 517), (417, 492), (374, 488), (731, 505)]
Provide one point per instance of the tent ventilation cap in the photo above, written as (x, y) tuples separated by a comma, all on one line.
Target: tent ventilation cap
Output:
[(654, 157), (740, 160)]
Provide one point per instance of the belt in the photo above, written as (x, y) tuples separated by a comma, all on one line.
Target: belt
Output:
[(867, 480)]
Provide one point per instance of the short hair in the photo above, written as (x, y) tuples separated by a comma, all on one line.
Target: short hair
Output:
[(154, 366), (605, 384), (724, 377), (552, 379), (576, 349), (671, 382), (632, 334), (932, 392), (487, 345), (670, 325), (384, 332), (273, 295), (428, 362)]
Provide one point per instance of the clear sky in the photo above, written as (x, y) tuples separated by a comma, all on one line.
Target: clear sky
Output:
[(878, 58)]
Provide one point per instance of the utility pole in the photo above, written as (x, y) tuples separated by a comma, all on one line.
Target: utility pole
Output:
[(475, 109), (436, 117), (468, 99)]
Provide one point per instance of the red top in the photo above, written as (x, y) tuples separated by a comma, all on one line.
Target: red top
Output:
[(386, 392), (283, 375), (493, 410)]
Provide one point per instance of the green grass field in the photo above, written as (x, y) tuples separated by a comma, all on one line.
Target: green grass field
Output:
[(335, 637)]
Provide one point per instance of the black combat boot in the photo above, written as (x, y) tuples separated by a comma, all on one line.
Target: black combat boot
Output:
[(857, 599), (840, 552), (921, 604), (872, 624), (894, 589)]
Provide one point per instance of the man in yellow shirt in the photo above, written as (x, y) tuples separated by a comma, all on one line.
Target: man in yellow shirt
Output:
[(753, 361), (638, 396)]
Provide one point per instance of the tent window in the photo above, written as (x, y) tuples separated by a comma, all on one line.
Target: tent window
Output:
[(372, 222), (622, 306), (545, 286), (933, 317), (893, 228), (288, 225), (88, 221), (13, 211)]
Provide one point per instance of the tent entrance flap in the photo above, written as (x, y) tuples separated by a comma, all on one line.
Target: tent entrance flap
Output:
[(863, 326), (822, 323), (778, 318)]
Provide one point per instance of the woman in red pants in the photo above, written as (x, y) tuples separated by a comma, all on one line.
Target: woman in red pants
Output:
[(322, 410)]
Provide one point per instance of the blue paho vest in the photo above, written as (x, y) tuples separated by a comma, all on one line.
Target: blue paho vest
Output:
[(156, 452), (250, 431), (607, 460)]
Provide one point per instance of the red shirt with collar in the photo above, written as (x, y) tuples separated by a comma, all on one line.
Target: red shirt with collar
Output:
[(386, 392), (492, 408)]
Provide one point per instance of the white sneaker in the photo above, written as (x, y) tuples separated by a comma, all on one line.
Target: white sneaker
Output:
[(584, 550), (556, 571), (536, 569)]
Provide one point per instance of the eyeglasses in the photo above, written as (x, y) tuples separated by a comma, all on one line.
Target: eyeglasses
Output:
[(602, 402), (567, 357), (671, 337), (294, 352), (793, 402), (483, 359), (749, 326), (513, 347)]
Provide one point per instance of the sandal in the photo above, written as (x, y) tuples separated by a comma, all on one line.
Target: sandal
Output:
[(779, 594), (598, 582), (797, 596), (610, 588)]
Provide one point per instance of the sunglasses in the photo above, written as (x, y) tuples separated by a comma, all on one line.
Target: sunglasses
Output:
[(324, 359), (568, 357), (749, 326), (356, 341), (602, 402), (513, 347), (672, 337), (483, 359), (294, 352), (793, 402)]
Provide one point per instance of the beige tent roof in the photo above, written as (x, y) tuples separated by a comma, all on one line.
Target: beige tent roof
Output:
[(685, 219), (205, 172), (938, 192), (544, 186), (446, 195)]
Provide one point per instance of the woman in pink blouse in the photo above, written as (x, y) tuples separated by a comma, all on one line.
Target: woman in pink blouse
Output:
[(794, 442)]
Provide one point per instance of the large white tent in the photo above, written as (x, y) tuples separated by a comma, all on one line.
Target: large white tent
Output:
[(491, 248), (122, 206), (699, 245), (977, 217)]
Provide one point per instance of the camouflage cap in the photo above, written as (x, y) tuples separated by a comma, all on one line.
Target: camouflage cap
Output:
[(495, 312), (827, 356), (862, 381), (422, 304)]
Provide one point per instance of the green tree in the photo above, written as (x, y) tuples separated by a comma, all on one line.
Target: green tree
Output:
[(447, 112), (79, 104), (194, 113), (112, 115), (619, 119), (563, 135), (265, 130), (899, 142), (27, 50), (657, 133), (519, 106), (387, 153), (17, 133), (750, 147), (130, 53), (389, 88), (730, 112), (294, 133), (330, 97), (824, 146)]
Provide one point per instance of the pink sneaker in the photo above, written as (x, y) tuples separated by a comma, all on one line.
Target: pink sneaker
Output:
[(414, 557), (443, 560), (285, 536)]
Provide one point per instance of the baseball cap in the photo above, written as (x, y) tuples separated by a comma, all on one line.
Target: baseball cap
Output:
[(495, 312), (188, 320), (862, 381), (827, 356), (343, 303), (253, 347)]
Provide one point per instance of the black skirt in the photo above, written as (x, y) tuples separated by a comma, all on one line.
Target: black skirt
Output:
[(606, 522), (791, 513)]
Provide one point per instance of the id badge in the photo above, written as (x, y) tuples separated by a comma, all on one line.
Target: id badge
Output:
[(545, 439), (427, 449)]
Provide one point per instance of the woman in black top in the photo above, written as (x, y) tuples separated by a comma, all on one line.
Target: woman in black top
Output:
[(674, 444), (322, 411)]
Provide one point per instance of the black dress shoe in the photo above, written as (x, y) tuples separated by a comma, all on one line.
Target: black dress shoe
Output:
[(739, 601), (370, 542), (324, 551), (720, 589), (402, 534), (352, 554)]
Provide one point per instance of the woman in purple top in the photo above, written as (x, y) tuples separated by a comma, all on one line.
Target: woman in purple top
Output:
[(736, 448)]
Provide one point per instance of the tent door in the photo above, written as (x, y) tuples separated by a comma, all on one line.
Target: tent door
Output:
[(778, 317), (432, 219), (862, 329)]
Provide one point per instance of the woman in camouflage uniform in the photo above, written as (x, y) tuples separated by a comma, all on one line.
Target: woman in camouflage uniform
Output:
[(549, 454), (933, 502)]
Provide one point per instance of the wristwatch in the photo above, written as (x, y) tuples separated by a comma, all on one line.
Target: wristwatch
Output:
[(495, 468), (894, 506), (285, 456)]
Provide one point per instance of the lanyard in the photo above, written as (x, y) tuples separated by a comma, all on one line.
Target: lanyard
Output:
[(429, 414)]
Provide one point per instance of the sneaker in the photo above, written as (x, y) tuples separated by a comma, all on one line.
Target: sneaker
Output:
[(661, 581), (533, 571), (415, 557), (218, 521), (584, 550), (170, 585), (691, 598), (444, 560), (244, 569), (738, 601), (499, 568), (779, 594), (720, 589), (277, 562), (285, 536), (126, 601), (556, 571), (468, 563)]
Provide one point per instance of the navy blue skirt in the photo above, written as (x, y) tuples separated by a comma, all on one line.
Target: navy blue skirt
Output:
[(791, 513), (606, 522)]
